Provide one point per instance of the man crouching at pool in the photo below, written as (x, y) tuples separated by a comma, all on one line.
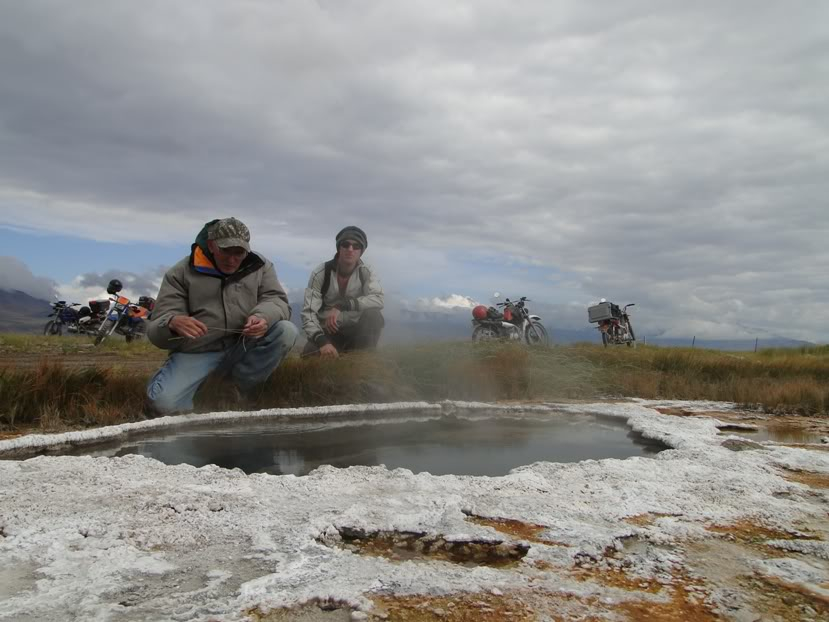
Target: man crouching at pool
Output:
[(221, 309)]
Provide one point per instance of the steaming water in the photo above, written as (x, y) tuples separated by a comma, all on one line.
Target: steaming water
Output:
[(466, 445)]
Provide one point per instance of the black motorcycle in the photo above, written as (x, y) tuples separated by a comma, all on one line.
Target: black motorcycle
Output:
[(613, 323), (63, 315)]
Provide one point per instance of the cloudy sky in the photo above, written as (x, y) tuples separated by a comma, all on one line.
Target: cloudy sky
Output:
[(675, 154)]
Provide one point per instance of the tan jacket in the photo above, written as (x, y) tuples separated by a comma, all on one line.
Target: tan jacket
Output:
[(362, 292), (219, 301)]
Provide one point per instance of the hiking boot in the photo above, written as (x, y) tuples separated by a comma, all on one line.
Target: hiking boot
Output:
[(148, 411), (247, 399)]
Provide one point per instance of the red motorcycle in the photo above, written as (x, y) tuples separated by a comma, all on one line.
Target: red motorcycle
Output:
[(613, 323), (122, 316), (512, 322)]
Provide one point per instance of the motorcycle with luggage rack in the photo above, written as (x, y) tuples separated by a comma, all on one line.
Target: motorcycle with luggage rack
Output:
[(613, 323)]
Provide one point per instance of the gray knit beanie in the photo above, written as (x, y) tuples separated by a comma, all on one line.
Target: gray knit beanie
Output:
[(352, 233)]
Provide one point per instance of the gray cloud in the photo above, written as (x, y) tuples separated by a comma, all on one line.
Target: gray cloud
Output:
[(140, 284), (670, 153), (16, 275)]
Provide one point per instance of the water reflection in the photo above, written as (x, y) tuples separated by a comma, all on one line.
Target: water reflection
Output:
[(438, 445)]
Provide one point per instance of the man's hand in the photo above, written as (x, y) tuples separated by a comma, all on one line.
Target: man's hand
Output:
[(187, 326), (255, 326), (328, 351), (331, 322)]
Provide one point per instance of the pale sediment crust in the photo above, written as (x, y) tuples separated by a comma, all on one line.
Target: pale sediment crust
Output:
[(599, 537)]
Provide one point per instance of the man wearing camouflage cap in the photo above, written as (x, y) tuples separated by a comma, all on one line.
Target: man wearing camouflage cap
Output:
[(343, 300), (221, 309)]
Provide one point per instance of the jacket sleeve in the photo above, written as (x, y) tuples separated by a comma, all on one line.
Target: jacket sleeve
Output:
[(373, 292), (272, 301), (311, 306), (172, 300)]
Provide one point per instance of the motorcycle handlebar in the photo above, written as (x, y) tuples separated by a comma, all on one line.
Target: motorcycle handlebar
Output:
[(513, 303)]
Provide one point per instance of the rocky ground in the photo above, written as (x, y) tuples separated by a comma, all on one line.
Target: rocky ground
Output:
[(718, 527)]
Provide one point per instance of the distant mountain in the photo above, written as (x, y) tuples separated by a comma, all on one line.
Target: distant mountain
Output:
[(21, 313)]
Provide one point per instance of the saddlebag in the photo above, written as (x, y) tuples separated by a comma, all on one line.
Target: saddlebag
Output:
[(602, 311), (98, 307)]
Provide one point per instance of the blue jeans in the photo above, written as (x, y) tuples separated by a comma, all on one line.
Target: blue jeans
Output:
[(249, 363)]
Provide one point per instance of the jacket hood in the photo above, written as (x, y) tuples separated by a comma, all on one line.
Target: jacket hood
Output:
[(201, 259)]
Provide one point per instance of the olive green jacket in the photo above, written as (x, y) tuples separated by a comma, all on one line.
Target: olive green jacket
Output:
[(196, 288)]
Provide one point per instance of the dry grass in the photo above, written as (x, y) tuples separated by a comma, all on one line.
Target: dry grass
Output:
[(792, 381), (54, 396)]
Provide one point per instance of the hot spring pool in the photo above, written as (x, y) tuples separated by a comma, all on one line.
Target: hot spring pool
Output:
[(467, 444)]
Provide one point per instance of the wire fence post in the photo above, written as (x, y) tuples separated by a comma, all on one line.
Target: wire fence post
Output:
[(693, 341), (756, 339)]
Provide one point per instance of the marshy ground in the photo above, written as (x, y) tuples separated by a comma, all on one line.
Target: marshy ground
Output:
[(58, 383)]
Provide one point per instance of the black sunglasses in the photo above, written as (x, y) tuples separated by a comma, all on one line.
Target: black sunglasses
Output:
[(354, 245)]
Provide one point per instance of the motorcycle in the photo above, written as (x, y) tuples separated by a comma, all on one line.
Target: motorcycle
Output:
[(123, 317), (90, 323), (613, 323), (63, 315), (512, 321)]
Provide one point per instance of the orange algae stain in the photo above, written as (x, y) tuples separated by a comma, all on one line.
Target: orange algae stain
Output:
[(809, 478), (685, 602), (787, 600), (403, 546), (473, 607), (747, 532), (680, 608), (319, 611), (515, 528)]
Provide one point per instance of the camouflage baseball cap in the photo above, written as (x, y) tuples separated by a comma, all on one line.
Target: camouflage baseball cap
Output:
[(230, 232)]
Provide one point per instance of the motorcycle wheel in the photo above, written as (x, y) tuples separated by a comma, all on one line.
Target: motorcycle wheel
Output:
[(47, 330), (630, 330), (536, 334), (104, 331), (136, 336), (484, 333)]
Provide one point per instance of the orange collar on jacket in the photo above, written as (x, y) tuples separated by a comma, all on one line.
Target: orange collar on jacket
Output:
[(202, 263)]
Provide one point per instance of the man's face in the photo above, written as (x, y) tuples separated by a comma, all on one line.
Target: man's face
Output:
[(350, 252), (228, 259)]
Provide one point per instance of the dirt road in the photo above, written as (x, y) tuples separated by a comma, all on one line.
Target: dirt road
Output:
[(76, 352)]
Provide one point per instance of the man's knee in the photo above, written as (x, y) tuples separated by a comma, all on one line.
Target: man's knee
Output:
[(372, 318), (284, 333), (161, 401)]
